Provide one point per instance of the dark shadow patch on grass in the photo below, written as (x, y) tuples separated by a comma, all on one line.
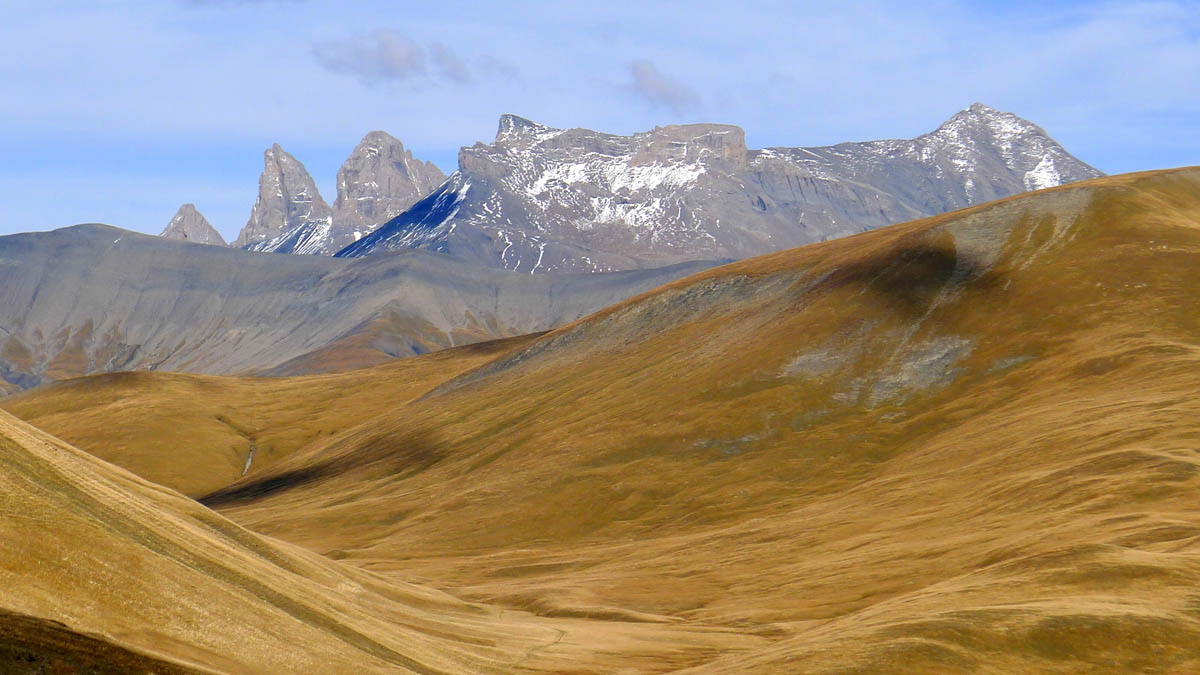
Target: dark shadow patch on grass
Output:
[(381, 455), (910, 275), (264, 487)]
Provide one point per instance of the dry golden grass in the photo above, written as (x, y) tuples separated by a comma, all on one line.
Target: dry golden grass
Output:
[(193, 433), (104, 572), (967, 443)]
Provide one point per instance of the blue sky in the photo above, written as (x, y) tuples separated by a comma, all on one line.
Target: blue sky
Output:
[(118, 112)]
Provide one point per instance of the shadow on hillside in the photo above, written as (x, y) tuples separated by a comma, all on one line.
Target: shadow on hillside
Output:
[(381, 455), (910, 276)]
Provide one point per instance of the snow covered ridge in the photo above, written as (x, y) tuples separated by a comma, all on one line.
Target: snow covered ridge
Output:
[(426, 223), (540, 199), (310, 237)]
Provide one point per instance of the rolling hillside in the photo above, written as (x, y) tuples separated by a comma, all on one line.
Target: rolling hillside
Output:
[(963, 443), (164, 585), (198, 433)]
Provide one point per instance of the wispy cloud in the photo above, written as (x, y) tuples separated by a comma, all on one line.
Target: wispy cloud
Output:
[(380, 56), (383, 56), (660, 89), (492, 67), (449, 65)]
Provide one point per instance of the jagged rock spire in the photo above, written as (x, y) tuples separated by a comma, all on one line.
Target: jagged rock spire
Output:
[(288, 201), (378, 181)]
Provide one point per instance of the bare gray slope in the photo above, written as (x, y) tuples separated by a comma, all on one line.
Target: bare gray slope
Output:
[(539, 199), (94, 298)]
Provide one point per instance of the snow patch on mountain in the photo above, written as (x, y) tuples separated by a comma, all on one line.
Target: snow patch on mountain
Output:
[(308, 238), (1044, 175), (428, 222)]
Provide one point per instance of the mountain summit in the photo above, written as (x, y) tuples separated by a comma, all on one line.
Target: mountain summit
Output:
[(967, 137), (190, 225), (540, 199), (379, 180), (289, 215)]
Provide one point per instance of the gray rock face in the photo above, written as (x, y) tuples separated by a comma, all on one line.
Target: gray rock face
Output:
[(189, 225), (378, 182), (540, 199), (93, 298), (289, 215)]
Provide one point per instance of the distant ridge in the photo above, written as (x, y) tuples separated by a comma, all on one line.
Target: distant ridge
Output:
[(94, 298), (539, 199)]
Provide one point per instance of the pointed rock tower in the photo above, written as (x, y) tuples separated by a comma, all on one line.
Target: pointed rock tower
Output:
[(379, 180), (289, 215), (189, 225)]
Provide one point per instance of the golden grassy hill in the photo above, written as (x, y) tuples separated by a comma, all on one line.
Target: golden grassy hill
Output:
[(963, 442), (195, 433), (966, 443), (104, 572)]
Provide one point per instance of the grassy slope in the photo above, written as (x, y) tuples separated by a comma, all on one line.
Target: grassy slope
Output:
[(966, 442), (193, 433), (162, 584), (168, 578)]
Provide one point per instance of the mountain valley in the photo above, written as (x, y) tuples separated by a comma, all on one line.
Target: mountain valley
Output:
[(316, 359)]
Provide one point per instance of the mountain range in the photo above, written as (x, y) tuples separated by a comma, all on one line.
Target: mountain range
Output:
[(540, 199), (666, 404), (450, 267), (545, 200)]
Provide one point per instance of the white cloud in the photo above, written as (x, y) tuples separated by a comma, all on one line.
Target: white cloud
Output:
[(384, 56)]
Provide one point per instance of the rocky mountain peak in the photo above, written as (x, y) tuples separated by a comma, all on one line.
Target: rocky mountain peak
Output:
[(189, 225), (980, 116), (513, 125), (289, 215), (378, 181), (982, 139), (982, 109)]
